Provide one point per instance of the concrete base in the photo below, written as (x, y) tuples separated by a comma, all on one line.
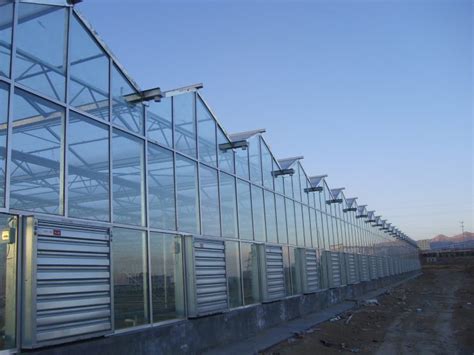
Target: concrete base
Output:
[(197, 335)]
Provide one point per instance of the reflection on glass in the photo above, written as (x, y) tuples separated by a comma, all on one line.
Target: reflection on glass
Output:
[(267, 166), (125, 111), (245, 210), (88, 159), (184, 124), (8, 281), (281, 219), (270, 217), (6, 19), (299, 224), (254, 158), (242, 163), (128, 171), (187, 191), (290, 219), (258, 214), (226, 157), (41, 48), (36, 154), (89, 71), (232, 264), (159, 122), (130, 278), (161, 188), (296, 282), (207, 134), (228, 206), (278, 180), (209, 201), (4, 96), (250, 278), (166, 269), (307, 226)]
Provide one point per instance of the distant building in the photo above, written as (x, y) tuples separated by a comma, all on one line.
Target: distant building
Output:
[(424, 244)]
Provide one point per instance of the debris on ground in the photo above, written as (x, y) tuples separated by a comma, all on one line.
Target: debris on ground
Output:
[(404, 318), (371, 302)]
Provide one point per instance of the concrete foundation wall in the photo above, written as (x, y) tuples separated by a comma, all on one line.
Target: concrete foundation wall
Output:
[(192, 336)]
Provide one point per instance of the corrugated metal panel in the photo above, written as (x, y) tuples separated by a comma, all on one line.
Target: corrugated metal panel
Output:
[(373, 267), (351, 268), (335, 269), (364, 267), (70, 284), (274, 272), (313, 281), (210, 276)]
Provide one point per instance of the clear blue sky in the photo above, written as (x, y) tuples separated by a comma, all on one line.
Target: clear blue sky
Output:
[(376, 94)]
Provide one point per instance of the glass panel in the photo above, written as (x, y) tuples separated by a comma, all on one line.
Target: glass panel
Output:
[(228, 206), (207, 134), (250, 279), (299, 224), (6, 19), (8, 252), (4, 98), (314, 229), (255, 163), (184, 124), (232, 263), (278, 181), (125, 113), (281, 219), (288, 182), (128, 172), (226, 157), (41, 38), (303, 185), (270, 217), (36, 154), (258, 214), (88, 159), (245, 210), (296, 182), (296, 282), (242, 163), (161, 188), (209, 201), (187, 191), (307, 227), (130, 278), (290, 218), (89, 73), (166, 268), (267, 166), (159, 122)]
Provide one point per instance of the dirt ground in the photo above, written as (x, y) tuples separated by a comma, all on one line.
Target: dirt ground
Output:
[(432, 314)]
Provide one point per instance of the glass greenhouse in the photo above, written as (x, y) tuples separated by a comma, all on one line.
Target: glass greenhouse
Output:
[(124, 208)]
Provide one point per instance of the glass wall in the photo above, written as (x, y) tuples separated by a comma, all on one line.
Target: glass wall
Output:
[(161, 188), (130, 278), (234, 280), (88, 168), (187, 195), (95, 152), (166, 271), (128, 178), (250, 273)]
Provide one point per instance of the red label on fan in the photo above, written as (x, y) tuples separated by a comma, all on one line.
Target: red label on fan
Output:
[(57, 232)]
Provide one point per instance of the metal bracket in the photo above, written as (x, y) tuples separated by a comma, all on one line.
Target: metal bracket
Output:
[(281, 172), (243, 144)]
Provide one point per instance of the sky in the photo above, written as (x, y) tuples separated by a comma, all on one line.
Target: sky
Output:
[(376, 94)]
